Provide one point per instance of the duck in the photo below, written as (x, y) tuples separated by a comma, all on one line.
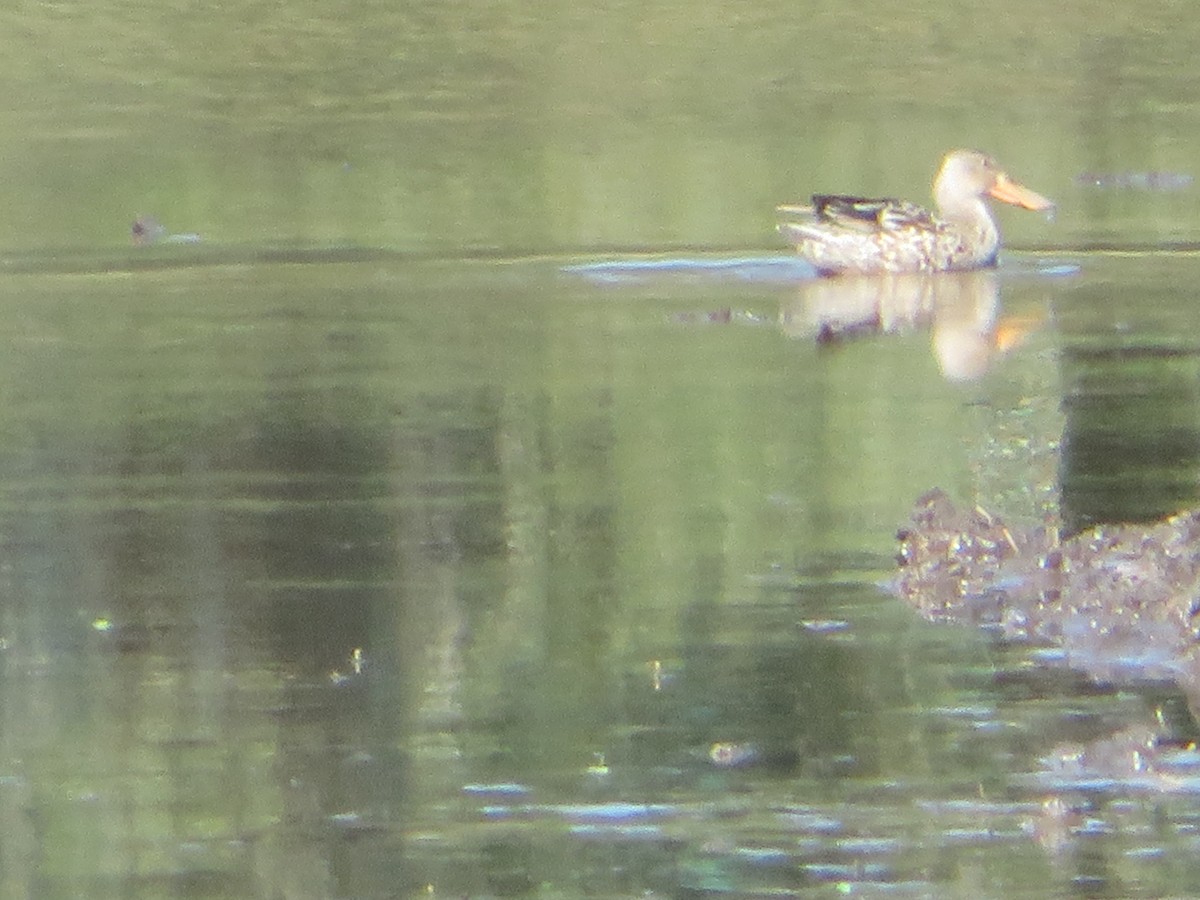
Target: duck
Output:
[(840, 234)]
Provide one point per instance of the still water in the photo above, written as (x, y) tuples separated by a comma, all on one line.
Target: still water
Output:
[(486, 506)]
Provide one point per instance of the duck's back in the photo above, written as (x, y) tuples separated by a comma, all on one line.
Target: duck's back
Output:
[(844, 234)]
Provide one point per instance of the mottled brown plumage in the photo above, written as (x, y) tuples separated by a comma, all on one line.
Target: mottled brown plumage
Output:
[(861, 235)]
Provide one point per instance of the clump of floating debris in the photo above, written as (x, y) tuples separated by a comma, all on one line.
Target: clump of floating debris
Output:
[(1135, 181)]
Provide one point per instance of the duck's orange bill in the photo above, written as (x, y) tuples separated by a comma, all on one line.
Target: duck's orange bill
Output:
[(1009, 191)]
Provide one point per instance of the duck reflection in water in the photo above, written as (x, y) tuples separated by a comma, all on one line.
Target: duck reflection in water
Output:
[(961, 310)]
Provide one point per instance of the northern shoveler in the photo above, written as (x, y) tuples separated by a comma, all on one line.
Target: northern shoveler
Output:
[(840, 234)]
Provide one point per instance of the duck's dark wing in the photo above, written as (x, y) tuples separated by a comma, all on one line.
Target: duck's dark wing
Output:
[(870, 213)]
